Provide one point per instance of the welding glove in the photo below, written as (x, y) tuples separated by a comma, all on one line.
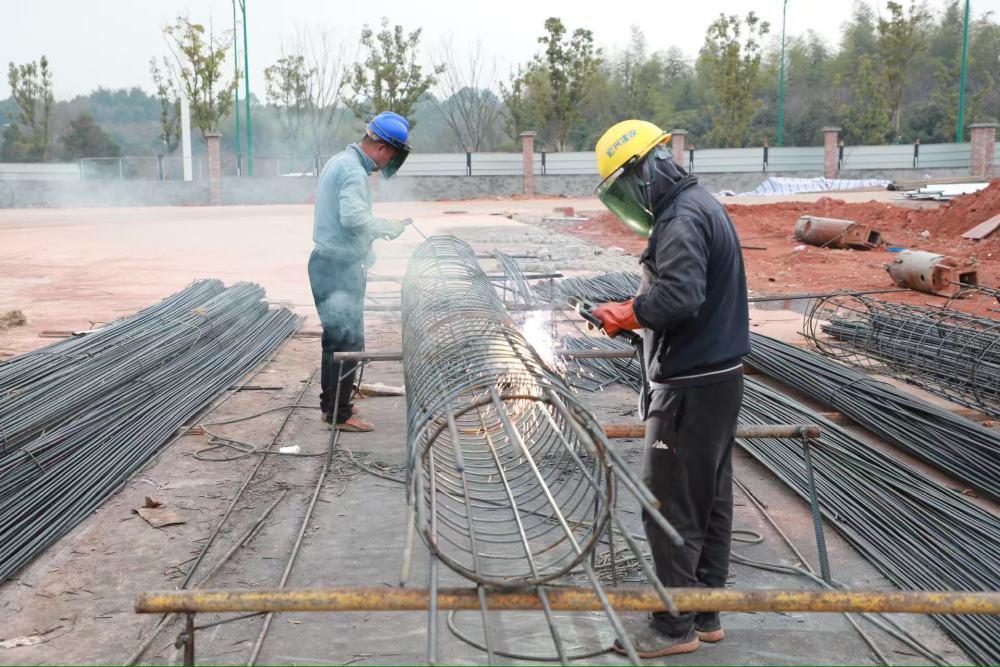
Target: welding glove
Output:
[(393, 228), (617, 317)]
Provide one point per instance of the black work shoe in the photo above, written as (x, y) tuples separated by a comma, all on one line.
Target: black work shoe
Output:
[(708, 627), (327, 417), (651, 643)]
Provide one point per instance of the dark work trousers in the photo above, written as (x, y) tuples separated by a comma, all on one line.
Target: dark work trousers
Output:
[(338, 288), (689, 468)]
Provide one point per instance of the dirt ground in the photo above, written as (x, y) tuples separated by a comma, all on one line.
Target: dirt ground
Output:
[(68, 268), (786, 265)]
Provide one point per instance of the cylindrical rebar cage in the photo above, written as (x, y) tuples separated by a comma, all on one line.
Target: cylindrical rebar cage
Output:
[(508, 477), (946, 352)]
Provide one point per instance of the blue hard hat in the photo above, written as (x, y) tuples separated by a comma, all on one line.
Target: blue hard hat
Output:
[(391, 128)]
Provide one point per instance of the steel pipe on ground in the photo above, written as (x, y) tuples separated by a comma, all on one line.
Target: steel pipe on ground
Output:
[(568, 599)]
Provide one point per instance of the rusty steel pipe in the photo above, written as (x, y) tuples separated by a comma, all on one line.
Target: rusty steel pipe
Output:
[(569, 599)]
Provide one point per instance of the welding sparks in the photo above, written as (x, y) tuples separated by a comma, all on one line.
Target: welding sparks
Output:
[(537, 331)]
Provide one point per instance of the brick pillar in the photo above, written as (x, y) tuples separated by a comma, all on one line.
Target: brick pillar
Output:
[(528, 162), (214, 169), (678, 148), (982, 149), (830, 151)]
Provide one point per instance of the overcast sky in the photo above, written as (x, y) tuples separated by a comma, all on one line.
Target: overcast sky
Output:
[(109, 43)]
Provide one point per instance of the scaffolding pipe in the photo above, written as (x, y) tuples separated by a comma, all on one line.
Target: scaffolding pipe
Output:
[(569, 599)]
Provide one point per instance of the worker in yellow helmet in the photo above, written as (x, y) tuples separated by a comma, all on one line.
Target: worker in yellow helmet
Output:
[(693, 315)]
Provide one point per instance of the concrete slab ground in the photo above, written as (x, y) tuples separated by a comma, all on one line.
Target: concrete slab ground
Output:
[(66, 268)]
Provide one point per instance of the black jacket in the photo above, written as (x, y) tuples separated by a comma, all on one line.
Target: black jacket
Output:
[(693, 300)]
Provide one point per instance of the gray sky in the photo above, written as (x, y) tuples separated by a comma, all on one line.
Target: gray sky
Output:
[(110, 42)]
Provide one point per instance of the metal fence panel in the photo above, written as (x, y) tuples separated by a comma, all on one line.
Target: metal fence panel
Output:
[(795, 158), (878, 157), (570, 164), (720, 160), (944, 155), (497, 164), (436, 164), (37, 171)]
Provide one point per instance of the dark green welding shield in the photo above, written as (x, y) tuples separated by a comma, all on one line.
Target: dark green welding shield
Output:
[(402, 152), (624, 194)]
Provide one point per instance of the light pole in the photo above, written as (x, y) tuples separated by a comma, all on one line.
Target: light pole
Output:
[(960, 119), (246, 88), (781, 89), (236, 63)]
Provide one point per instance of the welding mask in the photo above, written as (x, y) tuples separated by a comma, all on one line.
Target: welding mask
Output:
[(626, 194), (394, 130)]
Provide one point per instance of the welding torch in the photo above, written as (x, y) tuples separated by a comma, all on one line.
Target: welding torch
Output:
[(585, 309)]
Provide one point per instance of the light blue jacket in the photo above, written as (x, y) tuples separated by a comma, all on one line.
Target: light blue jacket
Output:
[(343, 224)]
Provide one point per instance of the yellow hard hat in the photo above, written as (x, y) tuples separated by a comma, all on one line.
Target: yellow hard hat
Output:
[(625, 141), (617, 150)]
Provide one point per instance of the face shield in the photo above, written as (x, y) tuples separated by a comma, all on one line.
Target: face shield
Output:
[(625, 194), (402, 152)]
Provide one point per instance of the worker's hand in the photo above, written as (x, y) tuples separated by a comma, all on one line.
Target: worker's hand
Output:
[(617, 317), (394, 228)]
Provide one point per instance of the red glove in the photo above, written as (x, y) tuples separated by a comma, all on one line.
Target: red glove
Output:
[(617, 317)]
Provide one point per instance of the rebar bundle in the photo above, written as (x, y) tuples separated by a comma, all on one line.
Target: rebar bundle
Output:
[(946, 352), (619, 286), (919, 534), (83, 373), (54, 480), (511, 482), (960, 447)]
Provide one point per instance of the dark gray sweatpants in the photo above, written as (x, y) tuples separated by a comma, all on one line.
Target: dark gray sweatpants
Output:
[(689, 468)]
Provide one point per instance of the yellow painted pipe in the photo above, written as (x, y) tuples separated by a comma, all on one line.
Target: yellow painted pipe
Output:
[(569, 599)]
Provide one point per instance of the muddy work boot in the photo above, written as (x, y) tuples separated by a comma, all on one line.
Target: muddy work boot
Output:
[(651, 643), (355, 424), (708, 627)]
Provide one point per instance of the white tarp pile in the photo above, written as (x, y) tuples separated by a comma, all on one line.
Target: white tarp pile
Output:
[(781, 185)]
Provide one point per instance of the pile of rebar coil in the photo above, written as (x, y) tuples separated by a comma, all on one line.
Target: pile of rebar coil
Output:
[(620, 286), (943, 351), (953, 444), (80, 416), (919, 534)]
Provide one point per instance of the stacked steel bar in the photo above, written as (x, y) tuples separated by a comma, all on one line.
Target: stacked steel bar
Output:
[(918, 533), (958, 446), (946, 352), (39, 403), (510, 480), (51, 482)]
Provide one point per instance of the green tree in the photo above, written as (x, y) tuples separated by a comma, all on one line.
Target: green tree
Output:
[(865, 112), (170, 107), (199, 60), (31, 89), (900, 38), (389, 78), (732, 59), (554, 87), (85, 138), (288, 90)]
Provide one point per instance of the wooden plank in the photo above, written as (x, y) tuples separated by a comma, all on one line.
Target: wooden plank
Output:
[(983, 229)]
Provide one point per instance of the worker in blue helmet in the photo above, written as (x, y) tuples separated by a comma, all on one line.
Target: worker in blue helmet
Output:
[(344, 229)]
